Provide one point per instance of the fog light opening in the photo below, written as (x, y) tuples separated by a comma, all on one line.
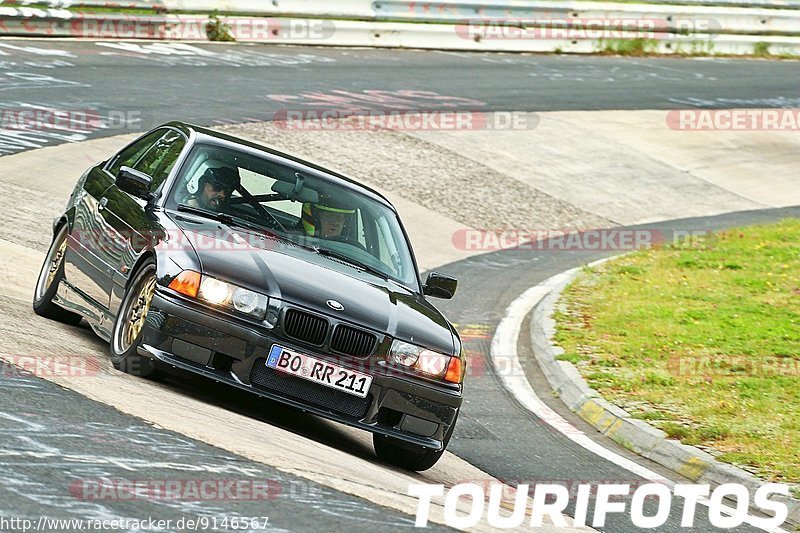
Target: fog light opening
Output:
[(389, 417), (222, 362)]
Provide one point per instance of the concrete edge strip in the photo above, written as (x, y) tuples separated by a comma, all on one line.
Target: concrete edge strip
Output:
[(614, 422)]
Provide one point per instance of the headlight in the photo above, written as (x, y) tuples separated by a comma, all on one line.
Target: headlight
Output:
[(233, 297), (424, 361), (403, 353), (221, 293), (248, 302), (215, 291)]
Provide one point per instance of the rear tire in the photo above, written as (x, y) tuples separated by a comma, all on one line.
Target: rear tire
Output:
[(50, 277), (404, 455), (126, 337)]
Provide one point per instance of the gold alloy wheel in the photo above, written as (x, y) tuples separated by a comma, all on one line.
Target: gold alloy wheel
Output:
[(55, 264), (137, 312), (50, 268)]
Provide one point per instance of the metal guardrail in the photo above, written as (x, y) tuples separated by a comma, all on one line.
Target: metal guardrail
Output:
[(498, 7), (365, 9), (31, 22), (325, 32), (768, 4), (661, 18), (719, 17), (350, 9), (371, 8), (154, 5), (623, 28)]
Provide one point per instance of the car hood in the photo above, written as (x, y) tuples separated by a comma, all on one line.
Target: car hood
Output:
[(306, 279)]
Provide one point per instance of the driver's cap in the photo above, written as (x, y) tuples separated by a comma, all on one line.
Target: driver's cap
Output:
[(221, 178)]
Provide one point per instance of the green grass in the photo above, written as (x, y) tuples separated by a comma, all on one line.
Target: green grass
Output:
[(700, 340), (216, 30), (629, 47), (761, 49)]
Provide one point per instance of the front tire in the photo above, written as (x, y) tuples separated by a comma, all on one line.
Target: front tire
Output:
[(404, 455), (129, 325), (50, 277)]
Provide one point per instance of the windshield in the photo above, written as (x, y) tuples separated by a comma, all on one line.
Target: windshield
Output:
[(321, 215)]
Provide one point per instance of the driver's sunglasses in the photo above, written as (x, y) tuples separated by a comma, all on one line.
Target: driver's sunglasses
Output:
[(219, 187)]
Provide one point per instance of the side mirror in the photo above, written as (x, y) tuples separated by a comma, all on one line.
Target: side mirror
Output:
[(440, 285), (134, 182)]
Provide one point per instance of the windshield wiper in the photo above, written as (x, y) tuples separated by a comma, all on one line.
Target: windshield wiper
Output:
[(350, 261), (216, 215), (225, 218)]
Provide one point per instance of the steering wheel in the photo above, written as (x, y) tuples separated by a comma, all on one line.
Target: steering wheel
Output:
[(253, 201)]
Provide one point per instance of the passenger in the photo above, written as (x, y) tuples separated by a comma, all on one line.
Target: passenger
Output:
[(326, 218)]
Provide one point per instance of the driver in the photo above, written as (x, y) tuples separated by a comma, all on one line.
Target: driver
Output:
[(326, 218), (214, 188)]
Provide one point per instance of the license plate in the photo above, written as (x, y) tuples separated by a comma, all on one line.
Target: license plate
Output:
[(322, 372)]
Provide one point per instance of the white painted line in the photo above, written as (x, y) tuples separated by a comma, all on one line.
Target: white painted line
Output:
[(504, 345), (504, 350)]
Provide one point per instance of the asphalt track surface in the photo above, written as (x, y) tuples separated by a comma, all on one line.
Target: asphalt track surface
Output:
[(57, 448), (213, 84), (139, 85)]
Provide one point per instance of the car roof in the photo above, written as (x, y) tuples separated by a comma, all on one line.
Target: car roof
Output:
[(208, 135)]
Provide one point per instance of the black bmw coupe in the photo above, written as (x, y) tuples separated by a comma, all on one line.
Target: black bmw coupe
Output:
[(197, 251)]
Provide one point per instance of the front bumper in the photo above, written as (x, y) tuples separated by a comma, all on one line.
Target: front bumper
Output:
[(187, 336)]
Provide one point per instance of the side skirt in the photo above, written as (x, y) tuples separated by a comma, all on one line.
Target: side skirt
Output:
[(73, 300)]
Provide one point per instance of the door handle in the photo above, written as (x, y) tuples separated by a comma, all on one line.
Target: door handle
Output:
[(102, 204)]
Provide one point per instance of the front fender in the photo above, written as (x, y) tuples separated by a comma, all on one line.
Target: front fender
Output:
[(172, 252)]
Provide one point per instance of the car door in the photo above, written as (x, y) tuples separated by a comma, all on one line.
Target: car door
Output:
[(87, 266), (133, 225)]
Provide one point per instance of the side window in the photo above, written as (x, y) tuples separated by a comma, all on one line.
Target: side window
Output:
[(158, 161), (130, 155)]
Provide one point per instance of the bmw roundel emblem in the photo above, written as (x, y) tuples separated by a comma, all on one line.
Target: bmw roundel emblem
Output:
[(336, 306)]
